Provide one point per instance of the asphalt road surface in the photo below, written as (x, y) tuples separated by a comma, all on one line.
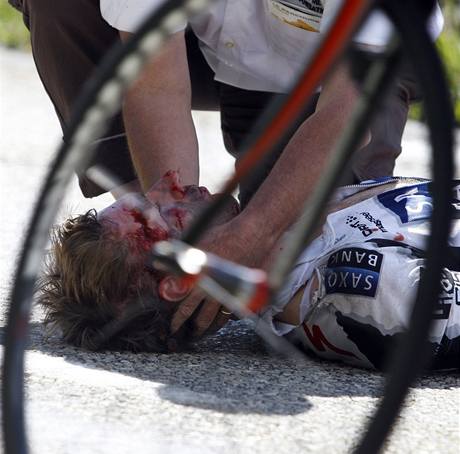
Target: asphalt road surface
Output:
[(228, 395)]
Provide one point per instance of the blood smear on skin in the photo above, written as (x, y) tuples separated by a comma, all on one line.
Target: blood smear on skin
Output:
[(151, 235), (174, 186), (179, 217)]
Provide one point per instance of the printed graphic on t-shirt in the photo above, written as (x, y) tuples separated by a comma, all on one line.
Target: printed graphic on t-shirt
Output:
[(353, 271), (305, 14)]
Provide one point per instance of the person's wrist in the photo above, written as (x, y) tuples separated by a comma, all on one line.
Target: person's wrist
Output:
[(255, 238)]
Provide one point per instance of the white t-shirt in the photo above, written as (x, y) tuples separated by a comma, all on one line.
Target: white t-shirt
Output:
[(259, 44), (368, 262)]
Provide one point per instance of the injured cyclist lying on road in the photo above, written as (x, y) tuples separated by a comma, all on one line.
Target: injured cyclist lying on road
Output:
[(348, 298)]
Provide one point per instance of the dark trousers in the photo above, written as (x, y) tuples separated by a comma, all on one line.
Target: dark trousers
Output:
[(69, 39)]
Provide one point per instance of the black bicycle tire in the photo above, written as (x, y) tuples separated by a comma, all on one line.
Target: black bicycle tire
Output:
[(401, 377), (439, 116), (13, 425), (5, 361), (15, 339)]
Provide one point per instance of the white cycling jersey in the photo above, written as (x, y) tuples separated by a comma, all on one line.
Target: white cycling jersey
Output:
[(368, 261)]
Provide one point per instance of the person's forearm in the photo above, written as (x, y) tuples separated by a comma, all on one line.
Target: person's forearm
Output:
[(278, 202), (158, 121)]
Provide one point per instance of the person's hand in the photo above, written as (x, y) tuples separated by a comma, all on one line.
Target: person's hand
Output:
[(207, 314)]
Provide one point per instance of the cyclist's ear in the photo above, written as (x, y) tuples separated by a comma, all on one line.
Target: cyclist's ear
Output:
[(174, 289)]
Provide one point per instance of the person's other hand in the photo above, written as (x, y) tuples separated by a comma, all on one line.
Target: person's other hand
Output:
[(207, 314)]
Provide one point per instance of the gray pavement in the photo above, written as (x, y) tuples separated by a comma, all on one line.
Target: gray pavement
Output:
[(229, 394)]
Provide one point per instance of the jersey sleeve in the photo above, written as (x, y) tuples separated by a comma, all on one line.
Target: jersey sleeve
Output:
[(128, 15)]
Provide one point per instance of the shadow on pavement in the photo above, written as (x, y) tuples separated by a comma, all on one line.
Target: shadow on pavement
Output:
[(232, 372)]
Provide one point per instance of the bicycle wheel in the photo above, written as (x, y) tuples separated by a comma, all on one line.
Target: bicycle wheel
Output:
[(13, 368), (100, 99)]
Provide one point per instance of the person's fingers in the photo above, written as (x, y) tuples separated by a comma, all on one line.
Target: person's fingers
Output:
[(186, 309), (205, 317), (222, 317)]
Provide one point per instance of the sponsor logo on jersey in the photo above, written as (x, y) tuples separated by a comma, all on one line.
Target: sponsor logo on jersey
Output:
[(450, 294), (457, 192), (305, 14), (353, 271), (377, 222), (320, 342), (367, 226), (410, 204)]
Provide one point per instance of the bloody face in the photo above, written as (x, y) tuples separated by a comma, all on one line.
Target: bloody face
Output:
[(164, 212), (135, 220)]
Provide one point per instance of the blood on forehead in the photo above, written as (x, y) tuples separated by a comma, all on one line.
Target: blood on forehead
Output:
[(140, 239), (148, 235)]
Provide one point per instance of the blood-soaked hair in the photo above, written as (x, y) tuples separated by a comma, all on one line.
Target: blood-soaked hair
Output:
[(99, 297)]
